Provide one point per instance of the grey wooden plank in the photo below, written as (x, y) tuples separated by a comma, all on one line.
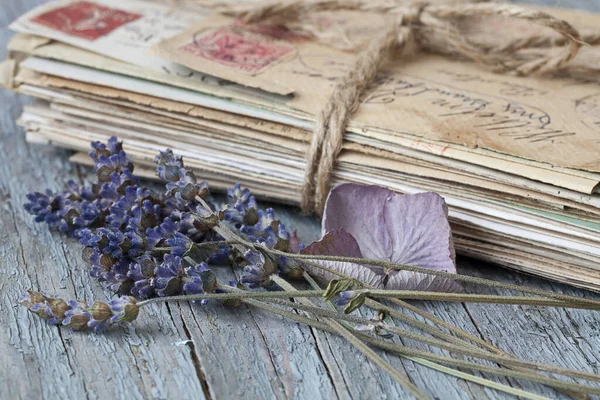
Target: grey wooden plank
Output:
[(564, 337), (234, 353)]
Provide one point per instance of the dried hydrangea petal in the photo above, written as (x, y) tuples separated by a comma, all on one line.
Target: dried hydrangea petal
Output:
[(359, 210), (403, 229), (340, 243)]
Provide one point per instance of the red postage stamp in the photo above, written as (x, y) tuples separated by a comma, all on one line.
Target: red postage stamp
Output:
[(85, 19), (237, 48)]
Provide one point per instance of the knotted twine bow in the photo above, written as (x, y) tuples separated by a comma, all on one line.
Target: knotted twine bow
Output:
[(430, 27)]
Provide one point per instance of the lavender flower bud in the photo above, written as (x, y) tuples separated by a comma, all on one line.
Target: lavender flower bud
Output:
[(58, 307), (250, 217), (168, 166), (124, 309), (36, 303), (169, 274), (99, 311), (75, 317)]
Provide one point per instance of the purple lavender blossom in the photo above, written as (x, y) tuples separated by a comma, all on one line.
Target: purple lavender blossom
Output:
[(168, 166), (241, 206), (143, 243), (121, 210), (142, 274), (257, 273), (199, 279), (46, 207), (169, 274)]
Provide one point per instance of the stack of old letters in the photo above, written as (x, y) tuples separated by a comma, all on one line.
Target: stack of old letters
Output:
[(516, 158)]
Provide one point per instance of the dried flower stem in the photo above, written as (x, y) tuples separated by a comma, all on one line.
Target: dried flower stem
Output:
[(412, 353), (381, 293), (378, 343), (471, 298), (430, 364), (434, 331), (458, 277), (438, 343), (231, 296), (403, 350), (407, 351), (486, 382), (339, 329), (197, 245), (413, 321), (447, 337)]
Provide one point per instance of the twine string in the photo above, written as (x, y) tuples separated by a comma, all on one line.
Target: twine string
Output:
[(430, 27)]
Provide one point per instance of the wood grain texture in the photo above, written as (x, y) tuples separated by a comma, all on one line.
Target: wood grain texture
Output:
[(186, 351)]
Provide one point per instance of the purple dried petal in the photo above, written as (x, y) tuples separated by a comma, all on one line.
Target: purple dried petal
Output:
[(404, 229), (419, 232), (340, 243), (406, 280), (359, 210)]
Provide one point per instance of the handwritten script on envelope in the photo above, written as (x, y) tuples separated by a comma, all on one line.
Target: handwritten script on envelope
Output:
[(554, 121)]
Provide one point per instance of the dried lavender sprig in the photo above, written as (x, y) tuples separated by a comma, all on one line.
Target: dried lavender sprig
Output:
[(186, 188), (232, 296), (356, 298), (80, 315), (360, 294)]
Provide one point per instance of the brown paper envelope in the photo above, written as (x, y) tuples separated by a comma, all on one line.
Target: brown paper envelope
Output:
[(375, 159), (558, 177), (53, 118), (428, 96), (380, 161)]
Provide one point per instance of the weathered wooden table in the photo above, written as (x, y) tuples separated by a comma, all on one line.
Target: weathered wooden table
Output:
[(186, 351)]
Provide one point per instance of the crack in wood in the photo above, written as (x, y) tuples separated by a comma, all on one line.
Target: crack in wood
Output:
[(196, 359)]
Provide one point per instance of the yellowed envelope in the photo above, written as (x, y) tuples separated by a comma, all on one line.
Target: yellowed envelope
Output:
[(540, 119), (377, 159)]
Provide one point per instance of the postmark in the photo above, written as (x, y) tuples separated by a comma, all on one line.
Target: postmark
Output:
[(274, 31), (588, 110), (85, 19), (238, 49)]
